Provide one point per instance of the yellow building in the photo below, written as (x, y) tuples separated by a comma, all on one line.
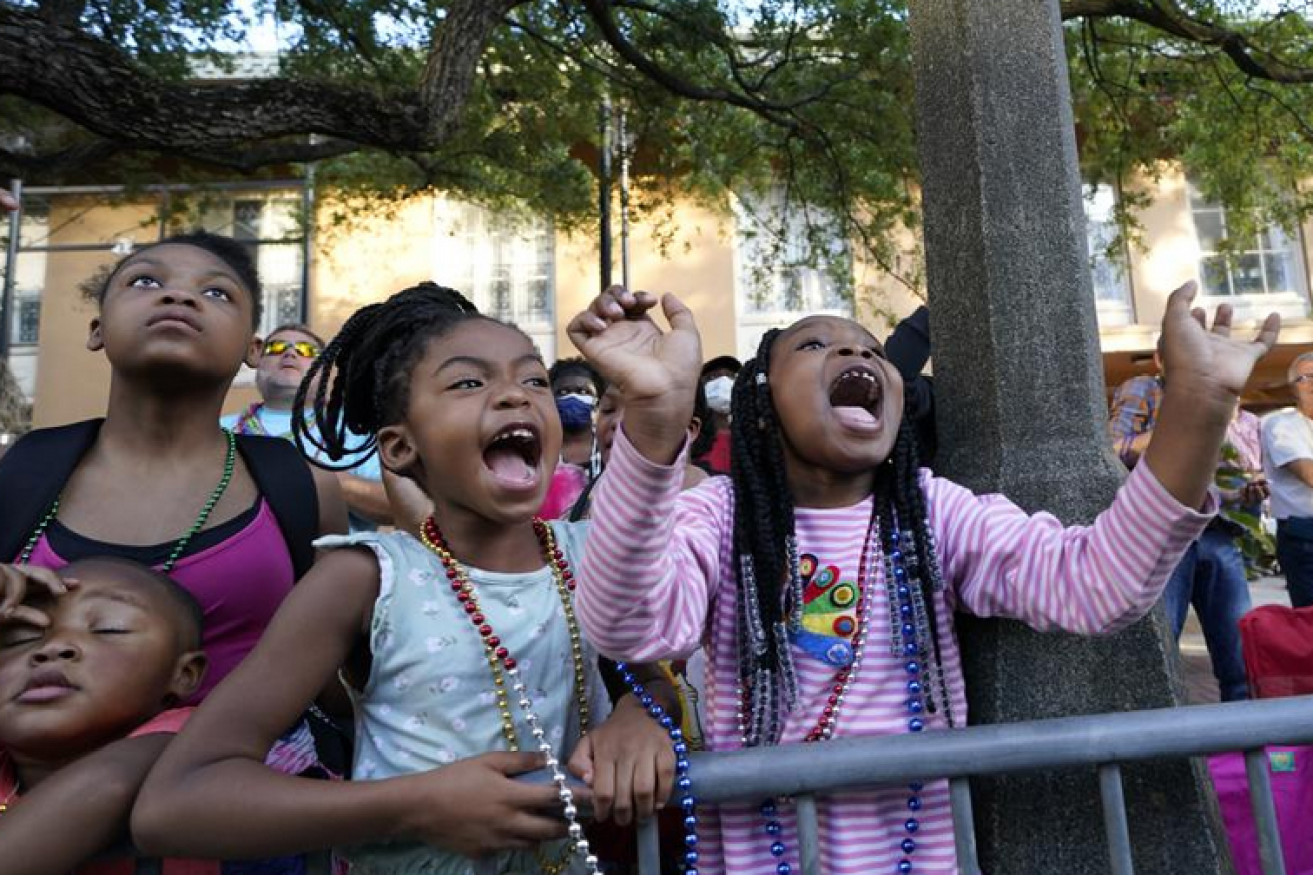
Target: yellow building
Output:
[(526, 271)]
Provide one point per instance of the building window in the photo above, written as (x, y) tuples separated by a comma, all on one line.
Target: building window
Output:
[(269, 225), (1107, 253), (1268, 264), (30, 273), (785, 264), (505, 263)]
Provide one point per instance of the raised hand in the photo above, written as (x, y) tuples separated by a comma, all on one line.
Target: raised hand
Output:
[(1210, 361), (1204, 373), (656, 372), (16, 582), (8, 203)]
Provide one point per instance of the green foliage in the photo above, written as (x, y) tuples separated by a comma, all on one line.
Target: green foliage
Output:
[(811, 100)]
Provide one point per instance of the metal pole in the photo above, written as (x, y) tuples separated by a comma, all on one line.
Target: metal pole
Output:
[(623, 137), (11, 269), (307, 237), (604, 196)]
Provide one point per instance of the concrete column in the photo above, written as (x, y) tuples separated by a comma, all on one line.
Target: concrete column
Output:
[(1021, 411)]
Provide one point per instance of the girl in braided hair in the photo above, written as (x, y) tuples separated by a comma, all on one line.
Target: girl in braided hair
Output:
[(458, 645), (821, 578)]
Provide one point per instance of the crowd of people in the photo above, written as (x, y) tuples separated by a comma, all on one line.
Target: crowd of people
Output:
[(211, 649)]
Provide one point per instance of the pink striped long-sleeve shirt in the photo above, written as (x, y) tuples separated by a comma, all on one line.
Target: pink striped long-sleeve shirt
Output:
[(657, 582)]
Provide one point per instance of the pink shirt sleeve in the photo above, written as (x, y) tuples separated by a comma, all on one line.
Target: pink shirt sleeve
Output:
[(1002, 562), (653, 558)]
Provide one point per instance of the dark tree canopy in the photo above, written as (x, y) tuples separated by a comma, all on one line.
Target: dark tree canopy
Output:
[(499, 100)]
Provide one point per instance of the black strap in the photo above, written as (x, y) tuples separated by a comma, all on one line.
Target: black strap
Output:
[(33, 473), (283, 477)]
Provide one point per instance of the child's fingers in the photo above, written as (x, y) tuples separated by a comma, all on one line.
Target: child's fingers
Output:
[(644, 788), (523, 830), (1268, 333), (581, 761), (1178, 302), (47, 578), (665, 777), (24, 614), (604, 788), (1222, 320), (679, 316), (8, 202), (510, 764)]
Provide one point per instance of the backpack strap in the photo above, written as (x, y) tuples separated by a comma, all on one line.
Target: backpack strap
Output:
[(283, 477), (33, 474)]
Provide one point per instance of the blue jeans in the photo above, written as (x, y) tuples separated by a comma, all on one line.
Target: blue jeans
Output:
[(1211, 576), (1295, 554)]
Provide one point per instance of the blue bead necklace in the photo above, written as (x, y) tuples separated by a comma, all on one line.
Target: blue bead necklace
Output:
[(911, 637), (683, 784)]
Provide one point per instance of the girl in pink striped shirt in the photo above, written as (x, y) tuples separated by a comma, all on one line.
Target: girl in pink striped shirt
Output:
[(822, 577)]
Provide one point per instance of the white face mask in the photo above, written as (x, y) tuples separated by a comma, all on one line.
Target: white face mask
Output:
[(718, 393)]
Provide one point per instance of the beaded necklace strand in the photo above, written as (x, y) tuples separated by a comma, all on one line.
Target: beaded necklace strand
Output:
[(911, 645), (683, 783), (504, 668), (229, 462)]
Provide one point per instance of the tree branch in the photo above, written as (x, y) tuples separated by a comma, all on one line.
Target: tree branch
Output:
[(458, 44), (1169, 17)]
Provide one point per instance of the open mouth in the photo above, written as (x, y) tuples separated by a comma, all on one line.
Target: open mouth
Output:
[(513, 455), (856, 396)]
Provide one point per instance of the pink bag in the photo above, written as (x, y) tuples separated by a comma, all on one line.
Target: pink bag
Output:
[(1291, 769)]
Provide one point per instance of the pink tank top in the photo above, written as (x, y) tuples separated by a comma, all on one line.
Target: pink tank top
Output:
[(239, 582)]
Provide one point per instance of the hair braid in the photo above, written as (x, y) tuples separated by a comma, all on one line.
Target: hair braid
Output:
[(765, 552), (362, 377)]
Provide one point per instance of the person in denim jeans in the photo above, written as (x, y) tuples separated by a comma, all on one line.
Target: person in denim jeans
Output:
[(1288, 461), (1211, 574)]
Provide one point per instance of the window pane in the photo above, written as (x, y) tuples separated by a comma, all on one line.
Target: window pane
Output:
[(1210, 228), (1280, 272), (1247, 275), (1214, 276)]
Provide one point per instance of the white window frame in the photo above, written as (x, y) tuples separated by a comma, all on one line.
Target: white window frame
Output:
[(1109, 277), (474, 247), (770, 253), (1291, 303)]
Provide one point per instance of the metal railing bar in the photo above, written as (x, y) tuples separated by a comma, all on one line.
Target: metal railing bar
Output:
[(1114, 819), (797, 769), (964, 826), (1265, 812), (809, 839), (649, 847)]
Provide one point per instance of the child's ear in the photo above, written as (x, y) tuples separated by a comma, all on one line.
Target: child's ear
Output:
[(95, 342), (254, 350), (188, 672), (396, 450), (694, 428)]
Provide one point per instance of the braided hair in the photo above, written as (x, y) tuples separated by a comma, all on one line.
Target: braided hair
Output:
[(766, 552), (362, 378)]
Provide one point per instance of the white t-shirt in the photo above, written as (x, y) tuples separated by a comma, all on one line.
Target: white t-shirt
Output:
[(1287, 436)]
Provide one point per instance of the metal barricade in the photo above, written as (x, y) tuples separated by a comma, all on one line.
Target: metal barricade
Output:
[(1103, 740)]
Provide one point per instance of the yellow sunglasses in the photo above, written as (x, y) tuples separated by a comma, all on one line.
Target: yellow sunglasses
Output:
[(304, 348)]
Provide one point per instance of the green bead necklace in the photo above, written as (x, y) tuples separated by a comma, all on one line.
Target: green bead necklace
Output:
[(229, 462)]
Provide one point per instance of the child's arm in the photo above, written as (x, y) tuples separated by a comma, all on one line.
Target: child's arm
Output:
[(80, 811), (333, 518), (211, 796), (652, 559), (1098, 579)]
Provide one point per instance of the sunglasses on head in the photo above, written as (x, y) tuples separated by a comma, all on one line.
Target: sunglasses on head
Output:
[(304, 348)]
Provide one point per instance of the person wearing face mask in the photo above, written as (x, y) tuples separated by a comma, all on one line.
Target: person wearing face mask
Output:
[(577, 388), (711, 448)]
